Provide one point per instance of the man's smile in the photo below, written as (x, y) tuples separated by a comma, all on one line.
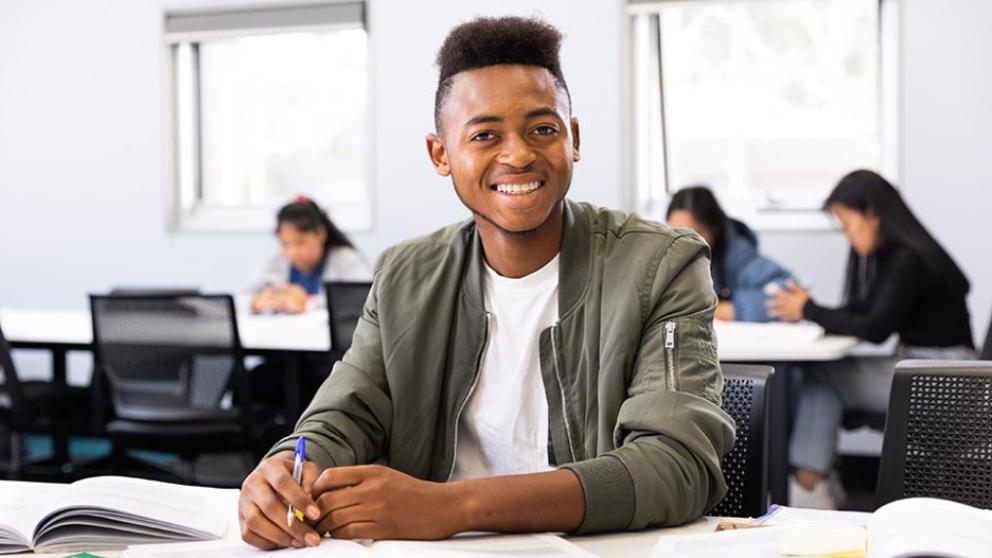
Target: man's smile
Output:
[(517, 189)]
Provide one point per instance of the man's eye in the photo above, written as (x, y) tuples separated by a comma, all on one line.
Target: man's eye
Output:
[(546, 130), (483, 136)]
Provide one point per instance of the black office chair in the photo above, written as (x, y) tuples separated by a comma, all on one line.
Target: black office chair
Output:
[(173, 366), (938, 436), (345, 301), (745, 467), (38, 407)]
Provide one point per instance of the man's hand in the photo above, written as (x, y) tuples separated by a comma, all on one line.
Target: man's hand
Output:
[(376, 502), (787, 303), (265, 497), (295, 299)]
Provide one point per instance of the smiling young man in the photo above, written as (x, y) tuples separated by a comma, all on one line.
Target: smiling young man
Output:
[(544, 366)]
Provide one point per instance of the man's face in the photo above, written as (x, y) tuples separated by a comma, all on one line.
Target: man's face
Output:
[(508, 143)]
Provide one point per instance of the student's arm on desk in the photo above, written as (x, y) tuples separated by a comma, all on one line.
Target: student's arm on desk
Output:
[(376, 502)]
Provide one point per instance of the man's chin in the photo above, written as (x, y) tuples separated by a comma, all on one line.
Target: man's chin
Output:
[(519, 229)]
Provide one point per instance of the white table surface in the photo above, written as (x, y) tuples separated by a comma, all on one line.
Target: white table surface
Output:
[(301, 332), (736, 341), (614, 545)]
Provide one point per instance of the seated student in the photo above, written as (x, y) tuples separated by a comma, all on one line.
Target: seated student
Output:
[(313, 251), (510, 371), (740, 274), (899, 280)]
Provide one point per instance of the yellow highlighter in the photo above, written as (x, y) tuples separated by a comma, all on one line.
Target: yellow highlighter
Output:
[(299, 456)]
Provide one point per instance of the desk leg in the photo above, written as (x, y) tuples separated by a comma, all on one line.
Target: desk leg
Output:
[(778, 443), (291, 403), (58, 366)]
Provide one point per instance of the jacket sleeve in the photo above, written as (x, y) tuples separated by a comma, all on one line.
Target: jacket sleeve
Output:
[(671, 433), (749, 295), (898, 296), (348, 420)]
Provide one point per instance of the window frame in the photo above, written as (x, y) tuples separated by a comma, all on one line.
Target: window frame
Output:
[(184, 210), (794, 213)]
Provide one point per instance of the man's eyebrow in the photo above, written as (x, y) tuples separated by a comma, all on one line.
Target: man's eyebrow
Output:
[(483, 119), (543, 111), (489, 118)]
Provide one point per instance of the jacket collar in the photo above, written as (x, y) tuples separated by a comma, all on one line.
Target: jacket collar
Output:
[(574, 262)]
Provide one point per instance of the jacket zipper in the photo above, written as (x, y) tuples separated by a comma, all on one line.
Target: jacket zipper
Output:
[(670, 355), (471, 390), (561, 390)]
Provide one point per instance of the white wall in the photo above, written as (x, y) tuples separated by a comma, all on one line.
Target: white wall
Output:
[(81, 148), (81, 154), (947, 134)]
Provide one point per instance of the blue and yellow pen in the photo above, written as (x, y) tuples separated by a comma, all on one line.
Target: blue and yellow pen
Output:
[(299, 456)]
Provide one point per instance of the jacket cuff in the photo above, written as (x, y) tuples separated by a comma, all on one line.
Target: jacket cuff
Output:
[(609, 491), (315, 453), (810, 310)]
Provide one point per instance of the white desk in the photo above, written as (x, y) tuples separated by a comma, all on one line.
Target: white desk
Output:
[(778, 342), (74, 329), (614, 545), (736, 341)]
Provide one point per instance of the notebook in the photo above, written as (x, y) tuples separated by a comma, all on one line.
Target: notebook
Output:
[(109, 512)]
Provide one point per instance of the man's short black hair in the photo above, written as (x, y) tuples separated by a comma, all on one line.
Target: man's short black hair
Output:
[(488, 41)]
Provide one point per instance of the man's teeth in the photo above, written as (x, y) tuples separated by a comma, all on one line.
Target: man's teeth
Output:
[(518, 188)]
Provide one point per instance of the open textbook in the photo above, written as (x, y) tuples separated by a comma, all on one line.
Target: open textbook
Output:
[(108, 512), (470, 546), (909, 528)]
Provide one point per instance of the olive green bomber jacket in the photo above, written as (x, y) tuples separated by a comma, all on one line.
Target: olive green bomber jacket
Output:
[(630, 369)]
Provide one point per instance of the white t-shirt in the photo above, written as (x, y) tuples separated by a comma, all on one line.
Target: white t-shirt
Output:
[(503, 429)]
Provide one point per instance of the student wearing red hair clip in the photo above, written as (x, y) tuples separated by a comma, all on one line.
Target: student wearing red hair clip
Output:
[(313, 250)]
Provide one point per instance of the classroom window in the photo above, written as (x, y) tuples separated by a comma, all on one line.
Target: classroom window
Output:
[(767, 102), (268, 103)]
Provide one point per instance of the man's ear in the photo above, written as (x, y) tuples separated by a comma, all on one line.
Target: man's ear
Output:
[(575, 140), (438, 154)]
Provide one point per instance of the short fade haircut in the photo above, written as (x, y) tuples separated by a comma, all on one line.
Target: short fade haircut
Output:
[(490, 41)]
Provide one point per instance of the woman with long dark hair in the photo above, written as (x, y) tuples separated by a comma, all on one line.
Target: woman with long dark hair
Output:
[(313, 250), (899, 281), (740, 274)]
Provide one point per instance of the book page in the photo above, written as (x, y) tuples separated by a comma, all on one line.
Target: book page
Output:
[(22, 505), (234, 548), (929, 526), (483, 546), (195, 511)]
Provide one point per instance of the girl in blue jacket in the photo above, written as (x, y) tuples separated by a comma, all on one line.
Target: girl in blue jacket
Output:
[(740, 274)]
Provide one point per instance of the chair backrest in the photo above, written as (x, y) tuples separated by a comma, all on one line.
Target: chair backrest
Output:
[(745, 467), (169, 358), (138, 290), (938, 433), (345, 301), (11, 398)]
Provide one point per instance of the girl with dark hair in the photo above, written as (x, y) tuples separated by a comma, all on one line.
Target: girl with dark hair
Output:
[(740, 274), (314, 250), (899, 280)]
